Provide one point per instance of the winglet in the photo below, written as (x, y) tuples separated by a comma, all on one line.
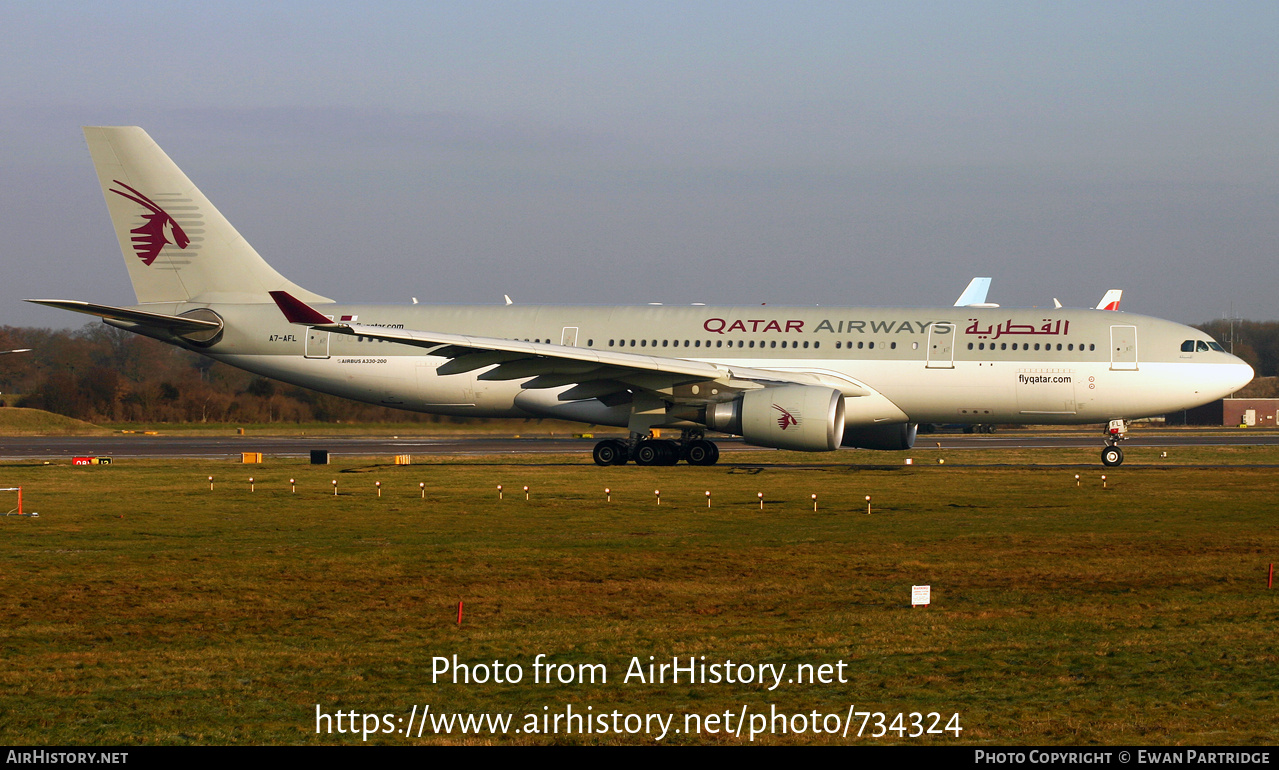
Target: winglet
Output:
[(297, 311)]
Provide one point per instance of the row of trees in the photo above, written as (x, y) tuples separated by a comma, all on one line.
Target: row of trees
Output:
[(104, 374), (1256, 342)]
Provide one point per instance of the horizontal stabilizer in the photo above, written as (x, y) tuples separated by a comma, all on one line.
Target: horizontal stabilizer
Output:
[(175, 323)]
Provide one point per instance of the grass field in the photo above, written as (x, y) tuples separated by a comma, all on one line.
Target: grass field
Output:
[(140, 607)]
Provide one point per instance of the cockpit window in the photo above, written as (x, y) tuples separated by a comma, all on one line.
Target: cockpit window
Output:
[(1202, 347), (1216, 346), (1188, 346)]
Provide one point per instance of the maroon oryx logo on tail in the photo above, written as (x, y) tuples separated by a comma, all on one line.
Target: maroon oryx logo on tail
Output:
[(786, 420), (156, 231)]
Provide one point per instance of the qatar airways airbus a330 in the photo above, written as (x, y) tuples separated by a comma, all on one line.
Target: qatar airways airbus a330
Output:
[(804, 378)]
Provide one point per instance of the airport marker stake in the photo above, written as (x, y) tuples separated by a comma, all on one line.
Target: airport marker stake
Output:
[(814, 503), (378, 484), (658, 494), (422, 486), (335, 487), (459, 610), (760, 495), (293, 486), (251, 484), (1076, 479), (210, 483), (526, 493), (1270, 581), (499, 492), (1103, 481), (608, 495), (708, 498), (867, 505)]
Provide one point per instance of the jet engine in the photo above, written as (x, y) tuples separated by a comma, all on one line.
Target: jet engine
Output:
[(807, 418), (890, 436)]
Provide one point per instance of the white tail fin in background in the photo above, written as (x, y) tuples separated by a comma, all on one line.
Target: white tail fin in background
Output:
[(1110, 301), (975, 294), (176, 245)]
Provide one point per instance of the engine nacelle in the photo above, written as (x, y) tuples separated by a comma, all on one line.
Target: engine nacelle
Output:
[(891, 437), (806, 418)]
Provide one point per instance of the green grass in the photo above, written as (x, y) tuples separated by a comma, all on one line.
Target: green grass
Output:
[(142, 608), (16, 421)]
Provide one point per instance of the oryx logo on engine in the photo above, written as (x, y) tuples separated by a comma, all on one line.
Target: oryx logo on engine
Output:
[(786, 420), (157, 230)]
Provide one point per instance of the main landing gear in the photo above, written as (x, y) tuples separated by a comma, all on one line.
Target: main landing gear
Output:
[(691, 448), (1112, 455)]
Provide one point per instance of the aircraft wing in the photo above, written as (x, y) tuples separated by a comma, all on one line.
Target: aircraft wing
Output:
[(593, 373)]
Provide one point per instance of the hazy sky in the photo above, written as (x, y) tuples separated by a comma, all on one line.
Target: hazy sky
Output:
[(721, 152)]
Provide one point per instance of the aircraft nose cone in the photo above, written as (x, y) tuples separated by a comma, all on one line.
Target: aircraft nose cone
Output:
[(1244, 374)]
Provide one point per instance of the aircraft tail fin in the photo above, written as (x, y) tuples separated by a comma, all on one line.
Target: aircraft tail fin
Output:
[(176, 245), (1110, 301)]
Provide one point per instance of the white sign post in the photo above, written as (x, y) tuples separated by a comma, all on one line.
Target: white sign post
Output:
[(920, 596)]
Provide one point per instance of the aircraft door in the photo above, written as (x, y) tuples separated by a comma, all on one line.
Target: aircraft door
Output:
[(317, 342), (569, 336), (941, 346), (1123, 348)]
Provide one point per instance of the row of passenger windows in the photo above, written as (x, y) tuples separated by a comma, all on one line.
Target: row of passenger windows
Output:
[(1187, 346), (718, 343), (1026, 346)]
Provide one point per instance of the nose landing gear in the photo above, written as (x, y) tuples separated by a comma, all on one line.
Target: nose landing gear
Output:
[(1112, 455)]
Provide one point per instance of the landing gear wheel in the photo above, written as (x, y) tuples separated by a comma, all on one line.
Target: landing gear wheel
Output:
[(609, 452), (649, 453), (1112, 456), (702, 452), (670, 452)]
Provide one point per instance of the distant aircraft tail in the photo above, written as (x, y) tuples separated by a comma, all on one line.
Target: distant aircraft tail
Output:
[(176, 245), (1111, 300), (975, 294)]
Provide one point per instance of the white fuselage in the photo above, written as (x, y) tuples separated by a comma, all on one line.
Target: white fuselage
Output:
[(927, 365)]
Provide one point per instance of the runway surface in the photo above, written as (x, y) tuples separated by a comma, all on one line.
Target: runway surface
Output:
[(51, 448)]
